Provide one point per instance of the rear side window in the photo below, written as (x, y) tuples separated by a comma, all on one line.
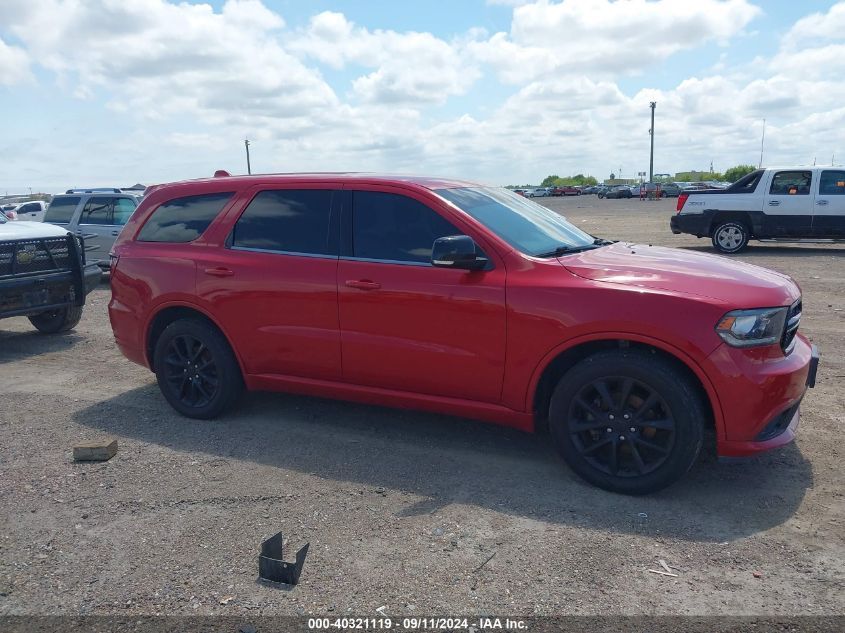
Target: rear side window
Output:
[(290, 221), (387, 226), (183, 219), (791, 183), (61, 209), (832, 183)]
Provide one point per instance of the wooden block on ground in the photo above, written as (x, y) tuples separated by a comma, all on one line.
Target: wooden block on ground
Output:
[(98, 451)]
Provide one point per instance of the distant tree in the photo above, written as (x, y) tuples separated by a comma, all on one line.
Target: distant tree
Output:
[(735, 173), (578, 179), (550, 181)]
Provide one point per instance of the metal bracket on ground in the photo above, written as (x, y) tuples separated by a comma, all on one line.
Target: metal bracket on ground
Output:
[(271, 564)]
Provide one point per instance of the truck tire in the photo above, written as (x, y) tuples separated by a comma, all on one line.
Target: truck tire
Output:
[(58, 320), (196, 369), (730, 237), (627, 421)]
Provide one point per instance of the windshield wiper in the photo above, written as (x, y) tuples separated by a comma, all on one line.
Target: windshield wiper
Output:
[(566, 250)]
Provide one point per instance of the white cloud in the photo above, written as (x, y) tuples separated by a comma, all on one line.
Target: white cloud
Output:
[(410, 67), (14, 65), (608, 37)]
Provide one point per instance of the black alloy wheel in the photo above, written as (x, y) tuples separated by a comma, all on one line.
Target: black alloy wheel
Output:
[(629, 421), (196, 369)]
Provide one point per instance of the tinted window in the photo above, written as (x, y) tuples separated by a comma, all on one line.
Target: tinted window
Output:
[(97, 210), (183, 219), (61, 209), (529, 227), (295, 221), (791, 183), (393, 227), (29, 208), (747, 184), (832, 183), (123, 210)]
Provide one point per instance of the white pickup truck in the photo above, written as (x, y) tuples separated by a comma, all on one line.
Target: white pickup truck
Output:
[(794, 203)]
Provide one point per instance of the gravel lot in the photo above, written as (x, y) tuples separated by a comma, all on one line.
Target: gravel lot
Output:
[(401, 509)]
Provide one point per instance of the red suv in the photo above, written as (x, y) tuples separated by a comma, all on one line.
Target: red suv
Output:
[(461, 299)]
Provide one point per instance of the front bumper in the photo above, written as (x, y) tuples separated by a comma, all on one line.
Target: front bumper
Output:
[(761, 396), (91, 275)]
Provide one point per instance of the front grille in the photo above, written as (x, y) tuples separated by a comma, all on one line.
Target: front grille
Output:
[(25, 257), (793, 320)]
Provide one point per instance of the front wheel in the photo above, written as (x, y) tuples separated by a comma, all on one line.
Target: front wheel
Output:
[(626, 421), (730, 237), (196, 370), (58, 320)]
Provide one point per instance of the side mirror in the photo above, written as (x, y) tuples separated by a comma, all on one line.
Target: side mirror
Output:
[(457, 251)]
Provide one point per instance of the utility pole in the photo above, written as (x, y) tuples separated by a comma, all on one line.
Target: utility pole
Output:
[(762, 140), (651, 133), (248, 168)]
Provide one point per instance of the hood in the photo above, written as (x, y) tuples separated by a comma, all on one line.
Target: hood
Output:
[(19, 230), (732, 282)]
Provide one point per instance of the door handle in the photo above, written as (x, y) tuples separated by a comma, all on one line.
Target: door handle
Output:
[(774, 203), (821, 203), (363, 284), (219, 272)]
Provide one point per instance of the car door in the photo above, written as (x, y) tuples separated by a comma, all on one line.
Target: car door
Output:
[(829, 208), (405, 324), (100, 222), (273, 284), (788, 204)]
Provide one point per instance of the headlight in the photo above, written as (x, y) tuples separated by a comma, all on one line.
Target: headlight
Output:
[(751, 328)]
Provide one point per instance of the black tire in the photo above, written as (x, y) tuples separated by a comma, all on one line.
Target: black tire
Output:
[(216, 382), (663, 408), (730, 237), (59, 320)]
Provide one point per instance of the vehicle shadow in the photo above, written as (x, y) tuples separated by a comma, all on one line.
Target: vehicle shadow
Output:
[(19, 345), (449, 460)]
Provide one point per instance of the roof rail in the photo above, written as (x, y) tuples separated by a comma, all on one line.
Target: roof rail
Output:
[(95, 190)]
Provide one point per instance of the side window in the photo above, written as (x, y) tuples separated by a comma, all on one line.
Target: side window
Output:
[(61, 209), (832, 183), (392, 227), (791, 183), (287, 220), (30, 208), (98, 210), (123, 209), (183, 219)]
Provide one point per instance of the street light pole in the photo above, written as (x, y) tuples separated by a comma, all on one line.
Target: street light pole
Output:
[(248, 168), (651, 133), (762, 141)]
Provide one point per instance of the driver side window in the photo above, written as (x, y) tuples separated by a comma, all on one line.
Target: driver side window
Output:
[(394, 228)]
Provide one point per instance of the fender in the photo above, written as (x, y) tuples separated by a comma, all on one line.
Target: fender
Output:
[(662, 345), (178, 303)]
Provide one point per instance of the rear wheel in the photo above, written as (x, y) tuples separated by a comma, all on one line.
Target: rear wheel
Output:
[(196, 369), (58, 320), (626, 421), (730, 237)]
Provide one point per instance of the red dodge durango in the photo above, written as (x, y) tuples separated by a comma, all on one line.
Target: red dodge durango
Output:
[(463, 299)]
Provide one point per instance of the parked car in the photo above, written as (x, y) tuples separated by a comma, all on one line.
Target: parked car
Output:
[(602, 190), (97, 215), (461, 299), (622, 191), (539, 192), (521, 192), (790, 203), (43, 275), (669, 190), (32, 211), (590, 189), (566, 190)]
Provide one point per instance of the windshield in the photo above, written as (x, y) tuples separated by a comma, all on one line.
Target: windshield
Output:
[(527, 226)]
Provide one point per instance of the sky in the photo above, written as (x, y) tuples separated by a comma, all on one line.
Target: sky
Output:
[(114, 92)]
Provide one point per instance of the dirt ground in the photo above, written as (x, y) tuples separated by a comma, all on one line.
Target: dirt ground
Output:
[(402, 509)]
